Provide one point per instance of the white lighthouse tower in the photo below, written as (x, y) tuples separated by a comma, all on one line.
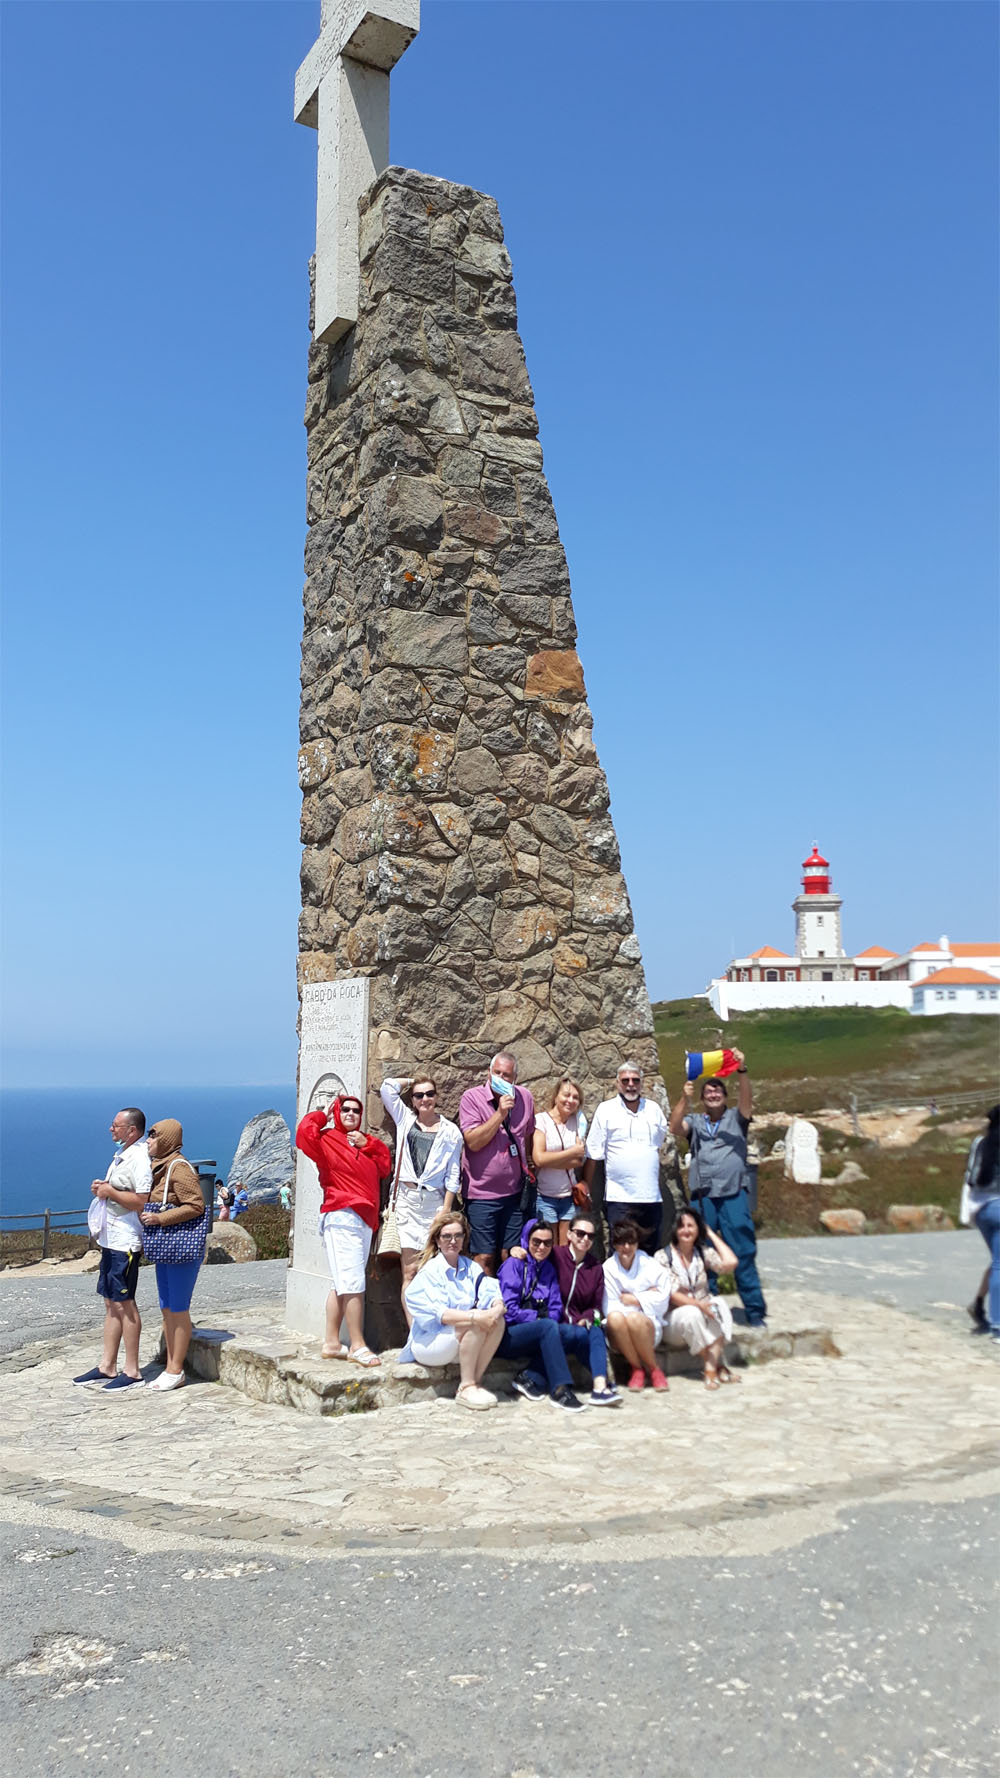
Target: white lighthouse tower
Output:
[(817, 914)]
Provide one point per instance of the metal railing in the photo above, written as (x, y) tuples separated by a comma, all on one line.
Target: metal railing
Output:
[(55, 1221)]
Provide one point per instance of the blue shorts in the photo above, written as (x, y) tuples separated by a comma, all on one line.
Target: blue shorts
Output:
[(176, 1285), (554, 1209), (494, 1224), (118, 1275)]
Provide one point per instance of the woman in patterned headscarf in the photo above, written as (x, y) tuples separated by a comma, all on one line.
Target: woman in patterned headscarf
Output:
[(175, 1197)]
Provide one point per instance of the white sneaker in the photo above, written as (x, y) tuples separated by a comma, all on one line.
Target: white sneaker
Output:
[(472, 1396)]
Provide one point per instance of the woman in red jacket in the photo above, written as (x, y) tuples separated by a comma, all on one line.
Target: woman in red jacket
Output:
[(351, 1166)]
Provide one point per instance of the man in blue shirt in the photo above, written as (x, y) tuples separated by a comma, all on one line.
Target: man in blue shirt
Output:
[(718, 1180)]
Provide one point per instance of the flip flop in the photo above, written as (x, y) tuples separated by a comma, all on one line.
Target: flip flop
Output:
[(711, 1379), (340, 1352), (366, 1358)]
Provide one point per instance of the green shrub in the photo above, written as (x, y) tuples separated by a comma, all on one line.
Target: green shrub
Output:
[(269, 1225)]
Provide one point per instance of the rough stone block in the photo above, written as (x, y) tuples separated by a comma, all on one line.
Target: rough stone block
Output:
[(917, 1218), (554, 673), (843, 1222)]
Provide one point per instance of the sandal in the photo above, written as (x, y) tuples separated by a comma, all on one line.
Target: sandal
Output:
[(728, 1376), (365, 1357), (711, 1378), (334, 1352)]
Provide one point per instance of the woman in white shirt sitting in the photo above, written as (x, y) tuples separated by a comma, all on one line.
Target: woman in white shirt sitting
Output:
[(557, 1151), (456, 1310), (701, 1322), (638, 1297), (428, 1153)]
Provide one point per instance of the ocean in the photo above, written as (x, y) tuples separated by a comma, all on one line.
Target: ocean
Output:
[(54, 1141)]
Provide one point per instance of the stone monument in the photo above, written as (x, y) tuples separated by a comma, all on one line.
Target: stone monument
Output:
[(461, 880)]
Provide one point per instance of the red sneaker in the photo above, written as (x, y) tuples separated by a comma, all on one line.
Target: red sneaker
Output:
[(658, 1380), (637, 1380)]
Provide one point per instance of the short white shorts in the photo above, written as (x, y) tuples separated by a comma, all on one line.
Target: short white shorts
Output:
[(630, 1309), (347, 1239), (442, 1349), (415, 1211)]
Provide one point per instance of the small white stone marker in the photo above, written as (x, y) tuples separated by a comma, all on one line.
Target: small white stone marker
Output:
[(342, 91)]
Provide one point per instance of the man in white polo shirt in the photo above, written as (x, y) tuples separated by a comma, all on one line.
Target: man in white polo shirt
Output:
[(122, 1194), (626, 1134)]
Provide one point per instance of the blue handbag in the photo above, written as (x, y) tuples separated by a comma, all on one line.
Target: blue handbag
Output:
[(182, 1243)]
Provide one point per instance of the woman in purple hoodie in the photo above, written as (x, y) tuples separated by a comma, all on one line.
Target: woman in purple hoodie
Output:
[(533, 1308)]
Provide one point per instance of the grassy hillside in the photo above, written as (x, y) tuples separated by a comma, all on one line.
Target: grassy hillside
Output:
[(803, 1062), (807, 1059)]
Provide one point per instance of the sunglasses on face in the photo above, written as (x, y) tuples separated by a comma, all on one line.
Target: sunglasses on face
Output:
[(583, 1234), (450, 1238), (629, 1080), (534, 1243), (430, 1095)]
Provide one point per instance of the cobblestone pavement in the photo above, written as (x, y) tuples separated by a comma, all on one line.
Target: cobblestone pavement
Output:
[(908, 1405)]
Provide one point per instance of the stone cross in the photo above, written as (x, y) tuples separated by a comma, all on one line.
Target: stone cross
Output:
[(342, 91)]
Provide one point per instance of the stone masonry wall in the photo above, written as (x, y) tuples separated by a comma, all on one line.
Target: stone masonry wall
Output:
[(459, 847)]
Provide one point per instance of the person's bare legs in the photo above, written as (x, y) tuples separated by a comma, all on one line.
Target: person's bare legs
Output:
[(488, 1263), (111, 1338), (476, 1347), (562, 1234), (409, 1261), (177, 1330), (620, 1329), (131, 1326), (354, 1314), (334, 1319)]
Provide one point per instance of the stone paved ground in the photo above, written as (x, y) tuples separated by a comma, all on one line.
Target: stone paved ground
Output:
[(794, 1578), (906, 1403)]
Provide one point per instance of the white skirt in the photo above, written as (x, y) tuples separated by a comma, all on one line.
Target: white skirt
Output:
[(348, 1240), (415, 1211), (689, 1327)]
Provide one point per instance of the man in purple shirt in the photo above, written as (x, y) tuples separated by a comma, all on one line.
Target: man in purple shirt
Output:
[(497, 1121)]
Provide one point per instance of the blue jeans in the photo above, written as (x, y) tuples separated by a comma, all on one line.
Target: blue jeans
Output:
[(987, 1221), (731, 1218), (587, 1345), (539, 1342)]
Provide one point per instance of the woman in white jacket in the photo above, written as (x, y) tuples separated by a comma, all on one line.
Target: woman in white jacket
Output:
[(638, 1297), (456, 1310), (428, 1153)]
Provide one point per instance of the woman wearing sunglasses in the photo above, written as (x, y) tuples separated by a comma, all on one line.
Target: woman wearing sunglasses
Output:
[(351, 1166), (533, 1307), (455, 1308), (428, 1153)]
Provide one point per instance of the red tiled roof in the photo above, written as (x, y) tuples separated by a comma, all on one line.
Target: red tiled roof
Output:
[(926, 948), (877, 951), (769, 951), (987, 950), (953, 978)]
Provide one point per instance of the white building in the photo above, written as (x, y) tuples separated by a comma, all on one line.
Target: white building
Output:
[(822, 973), (956, 990)]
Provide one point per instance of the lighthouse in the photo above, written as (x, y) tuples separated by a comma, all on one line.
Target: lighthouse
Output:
[(817, 912)]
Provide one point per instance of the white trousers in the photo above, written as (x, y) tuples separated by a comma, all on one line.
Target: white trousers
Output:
[(689, 1327), (442, 1349)]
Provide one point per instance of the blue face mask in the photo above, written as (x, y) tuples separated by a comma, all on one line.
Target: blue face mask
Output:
[(119, 1143), (502, 1088)]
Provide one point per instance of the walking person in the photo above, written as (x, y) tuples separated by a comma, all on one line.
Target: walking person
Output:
[(558, 1152), (980, 1204), (627, 1134), (175, 1200), (697, 1319), (717, 1182), (638, 1297), (455, 1310), (351, 1166), (428, 1157), (497, 1121), (533, 1308), (114, 1220)]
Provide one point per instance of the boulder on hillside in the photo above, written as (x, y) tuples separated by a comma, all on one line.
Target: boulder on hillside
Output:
[(917, 1219), (265, 1159), (229, 1244), (843, 1222), (850, 1174)]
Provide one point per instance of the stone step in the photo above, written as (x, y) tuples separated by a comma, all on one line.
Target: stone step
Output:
[(267, 1363)]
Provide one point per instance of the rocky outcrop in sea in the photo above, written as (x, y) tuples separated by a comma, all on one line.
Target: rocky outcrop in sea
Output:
[(265, 1159)]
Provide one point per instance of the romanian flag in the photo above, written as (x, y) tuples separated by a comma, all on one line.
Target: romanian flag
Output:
[(713, 1062)]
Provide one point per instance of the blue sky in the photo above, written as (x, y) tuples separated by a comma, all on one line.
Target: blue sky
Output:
[(753, 250)]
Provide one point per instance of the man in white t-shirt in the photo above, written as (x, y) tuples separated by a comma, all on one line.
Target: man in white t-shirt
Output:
[(122, 1193), (626, 1134)]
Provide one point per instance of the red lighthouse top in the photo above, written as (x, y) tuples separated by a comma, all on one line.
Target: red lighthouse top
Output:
[(816, 873)]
